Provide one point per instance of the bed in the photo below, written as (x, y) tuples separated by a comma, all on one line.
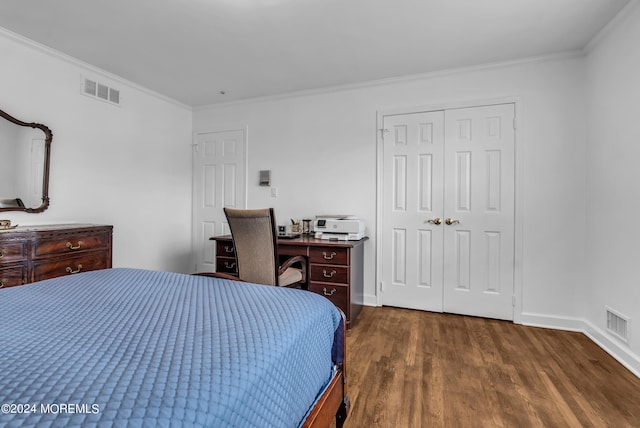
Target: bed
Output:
[(136, 347)]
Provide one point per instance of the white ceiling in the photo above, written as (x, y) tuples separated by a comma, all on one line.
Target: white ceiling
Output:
[(191, 50)]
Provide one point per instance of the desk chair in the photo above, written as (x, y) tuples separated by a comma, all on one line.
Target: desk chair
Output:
[(255, 240)]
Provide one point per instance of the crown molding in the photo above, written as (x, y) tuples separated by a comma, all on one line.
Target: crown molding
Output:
[(578, 53), (87, 68)]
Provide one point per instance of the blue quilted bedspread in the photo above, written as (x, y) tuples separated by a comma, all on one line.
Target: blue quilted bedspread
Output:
[(142, 348)]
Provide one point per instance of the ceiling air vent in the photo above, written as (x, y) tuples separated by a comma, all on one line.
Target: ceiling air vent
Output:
[(100, 91), (617, 324)]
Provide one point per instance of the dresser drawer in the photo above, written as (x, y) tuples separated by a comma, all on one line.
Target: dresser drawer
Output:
[(329, 273), (71, 243), (331, 255), (34, 253), (336, 293), (12, 276), (12, 251), (70, 265)]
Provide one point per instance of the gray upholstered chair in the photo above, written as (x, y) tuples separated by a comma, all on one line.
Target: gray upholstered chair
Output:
[(255, 241)]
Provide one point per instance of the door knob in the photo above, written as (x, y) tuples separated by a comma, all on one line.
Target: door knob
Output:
[(435, 221), (451, 221)]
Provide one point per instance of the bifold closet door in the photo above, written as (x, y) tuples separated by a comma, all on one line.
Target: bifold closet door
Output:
[(479, 204), (412, 215), (448, 211)]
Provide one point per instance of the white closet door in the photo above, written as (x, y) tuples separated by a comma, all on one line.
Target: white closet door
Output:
[(412, 213), (448, 211), (480, 201)]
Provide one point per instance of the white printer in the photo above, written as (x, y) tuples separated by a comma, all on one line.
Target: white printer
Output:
[(338, 227)]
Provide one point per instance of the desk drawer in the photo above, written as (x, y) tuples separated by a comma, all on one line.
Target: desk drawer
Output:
[(336, 293), (12, 276), (12, 251), (70, 265), (329, 273), (332, 255), (226, 265), (70, 244), (225, 249), (292, 250)]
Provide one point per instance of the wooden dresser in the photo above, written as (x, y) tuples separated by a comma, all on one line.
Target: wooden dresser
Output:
[(34, 253), (335, 269)]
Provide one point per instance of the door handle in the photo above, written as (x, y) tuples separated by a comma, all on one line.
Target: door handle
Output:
[(435, 221), (451, 221)]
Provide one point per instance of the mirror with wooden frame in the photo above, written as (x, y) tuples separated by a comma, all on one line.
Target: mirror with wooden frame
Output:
[(25, 150)]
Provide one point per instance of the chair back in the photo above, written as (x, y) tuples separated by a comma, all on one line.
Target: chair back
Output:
[(255, 241)]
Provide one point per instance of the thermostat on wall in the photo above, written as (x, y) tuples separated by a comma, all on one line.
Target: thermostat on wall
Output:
[(265, 177)]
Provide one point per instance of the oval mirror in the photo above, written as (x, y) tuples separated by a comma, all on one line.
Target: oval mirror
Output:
[(24, 165)]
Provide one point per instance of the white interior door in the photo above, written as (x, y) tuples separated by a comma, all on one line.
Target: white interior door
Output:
[(480, 205), (218, 181), (448, 211), (413, 205)]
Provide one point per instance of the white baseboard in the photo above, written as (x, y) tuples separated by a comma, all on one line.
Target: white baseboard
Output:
[(551, 321), (370, 300), (618, 350)]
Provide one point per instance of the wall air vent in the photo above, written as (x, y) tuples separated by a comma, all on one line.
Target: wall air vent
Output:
[(617, 324), (100, 91)]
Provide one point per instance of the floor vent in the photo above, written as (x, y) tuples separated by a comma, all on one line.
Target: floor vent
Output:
[(100, 91), (617, 324)]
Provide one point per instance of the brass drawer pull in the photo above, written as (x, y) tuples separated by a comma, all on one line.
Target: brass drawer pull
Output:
[(324, 273), (72, 247), (324, 291), (70, 270), (230, 266), (3, 282), (3, 252), (228, 249), (324, 254)]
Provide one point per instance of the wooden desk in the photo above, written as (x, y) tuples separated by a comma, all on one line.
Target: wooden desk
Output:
[(335, 269)]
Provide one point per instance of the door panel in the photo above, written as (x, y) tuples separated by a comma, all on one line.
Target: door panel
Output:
[(412, 260), (219, 181), (479, 198)]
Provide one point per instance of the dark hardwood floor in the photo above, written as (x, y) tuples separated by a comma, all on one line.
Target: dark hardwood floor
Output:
[(419, 369)]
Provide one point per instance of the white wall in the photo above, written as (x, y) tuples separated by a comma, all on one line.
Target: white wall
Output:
[(322, 151), (613, 237), (129, 166)]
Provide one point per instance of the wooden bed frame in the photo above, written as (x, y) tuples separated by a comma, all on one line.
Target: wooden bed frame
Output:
[(334, 403)]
